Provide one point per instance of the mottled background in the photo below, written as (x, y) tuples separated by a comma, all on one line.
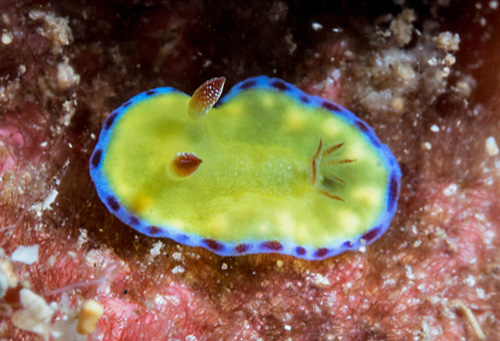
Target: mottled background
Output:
[(424, 74)]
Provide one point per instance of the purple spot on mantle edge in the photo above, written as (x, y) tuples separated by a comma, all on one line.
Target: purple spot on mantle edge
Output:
[(134, 221), (374, 141), (280, 85), (393, 192), (113, 204), (248, 84), (300, 250), (330, 106), (241, 248), (305, 99), (96, 158), (154, 230), (150, 92), (109, 120), (371, 235), (182, 238), (348, 244), (273, 245), (362, 126), (320, 253), (213, 244)]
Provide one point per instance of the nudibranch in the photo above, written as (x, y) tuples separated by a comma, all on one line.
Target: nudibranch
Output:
[(267, 168)]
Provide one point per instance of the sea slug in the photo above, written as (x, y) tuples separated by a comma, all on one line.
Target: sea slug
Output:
[(267, 168)]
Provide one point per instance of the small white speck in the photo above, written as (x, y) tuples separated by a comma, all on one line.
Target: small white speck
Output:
[(427, 145), (178, 269), (450, 190), (493, 4), (480, 293), (336, 29), (491, 146), (432, 61), (92, 136), (224, 266), (6, 37), (54, 306), (49, 199), (43, 144), (156, 249), (177, 256), (25, 254), (320, 280), (279, 263), (288, 327), (417, 243), (37, 208), (435, 128), (470, 281), (434, 299), (481, 217), (52, 260), (409, 273), (66, 76), (362, 249), (414, 229), (317, 26), (446, 71)]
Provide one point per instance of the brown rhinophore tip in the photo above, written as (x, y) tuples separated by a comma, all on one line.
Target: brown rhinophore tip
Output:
[(186, 164), (205, 97)]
